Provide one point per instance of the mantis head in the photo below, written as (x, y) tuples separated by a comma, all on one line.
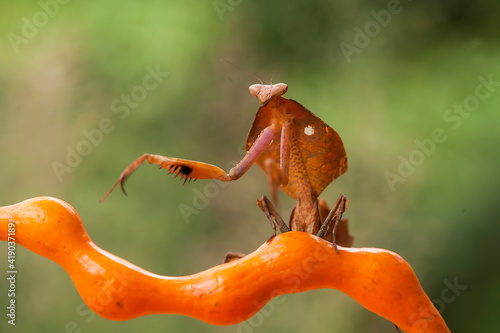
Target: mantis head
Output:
[(265, 92)]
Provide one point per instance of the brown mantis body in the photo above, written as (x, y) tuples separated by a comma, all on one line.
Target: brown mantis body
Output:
[(298, 152)]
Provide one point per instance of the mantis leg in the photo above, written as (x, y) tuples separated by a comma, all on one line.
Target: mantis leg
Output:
[(272, 215), (277, 174), (263, 140), (287, 137), (275, 177), (232, 256), (188, 169), (334, 216), (342, 236)]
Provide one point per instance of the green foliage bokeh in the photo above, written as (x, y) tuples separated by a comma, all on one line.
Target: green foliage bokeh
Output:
[(62, 80)]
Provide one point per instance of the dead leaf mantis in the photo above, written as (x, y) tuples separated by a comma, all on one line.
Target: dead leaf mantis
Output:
[(298, 152)]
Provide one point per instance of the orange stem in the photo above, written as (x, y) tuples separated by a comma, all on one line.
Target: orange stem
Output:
[(292, 262)]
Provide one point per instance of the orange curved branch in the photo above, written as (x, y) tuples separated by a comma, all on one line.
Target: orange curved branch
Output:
[(379, 280)]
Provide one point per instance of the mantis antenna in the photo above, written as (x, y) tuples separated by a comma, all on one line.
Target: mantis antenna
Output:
[(243, 70)]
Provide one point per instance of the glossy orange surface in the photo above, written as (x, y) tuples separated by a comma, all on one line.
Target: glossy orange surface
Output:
[(379, 280)]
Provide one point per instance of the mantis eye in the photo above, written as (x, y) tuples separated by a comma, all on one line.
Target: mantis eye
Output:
[(279, 89), (255, 89)]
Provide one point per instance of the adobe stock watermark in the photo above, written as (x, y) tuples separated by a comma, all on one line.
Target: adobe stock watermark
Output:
[(30, 26), (448, 295), (11, 272), (121, 107), (107, 296), (452, 117), (292, 279), (223, 6), (249, 325), (201, 197), (363, 37)]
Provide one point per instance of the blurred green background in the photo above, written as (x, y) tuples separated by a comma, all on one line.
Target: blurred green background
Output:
[(382, 81)]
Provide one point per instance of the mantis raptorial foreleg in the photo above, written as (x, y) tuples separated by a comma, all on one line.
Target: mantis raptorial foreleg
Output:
[(188, 169)]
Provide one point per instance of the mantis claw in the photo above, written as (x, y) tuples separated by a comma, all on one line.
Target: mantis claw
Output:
[(122, 183), (186, 169)]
